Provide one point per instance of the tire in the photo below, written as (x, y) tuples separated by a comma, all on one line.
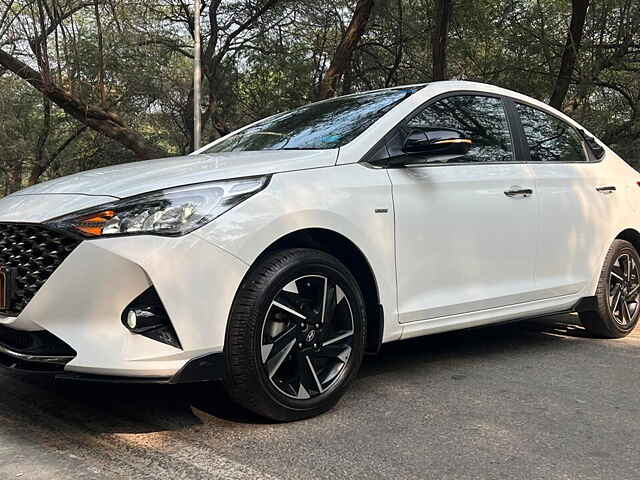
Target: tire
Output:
[(279, 302), (617, 294)]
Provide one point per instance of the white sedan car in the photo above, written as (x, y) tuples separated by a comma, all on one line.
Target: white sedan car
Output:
[(276, 256)]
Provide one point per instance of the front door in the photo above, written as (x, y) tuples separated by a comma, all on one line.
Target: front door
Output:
[(466, 227)]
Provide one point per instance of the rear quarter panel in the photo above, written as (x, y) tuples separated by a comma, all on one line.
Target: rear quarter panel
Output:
[(622, 208)]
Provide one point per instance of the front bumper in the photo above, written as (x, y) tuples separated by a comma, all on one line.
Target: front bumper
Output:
[(201, 369), (82, 301)]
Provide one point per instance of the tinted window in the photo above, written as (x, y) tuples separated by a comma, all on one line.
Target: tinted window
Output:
[(481, 119), (549, 138), (321, 125)]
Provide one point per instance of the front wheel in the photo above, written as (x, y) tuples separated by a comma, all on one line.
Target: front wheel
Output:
[(296, 335), (618, 294)]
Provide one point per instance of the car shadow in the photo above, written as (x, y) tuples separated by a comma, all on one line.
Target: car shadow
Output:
[(481, 342), (130, 408)]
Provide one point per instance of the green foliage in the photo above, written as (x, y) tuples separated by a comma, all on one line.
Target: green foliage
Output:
[(260, 61)]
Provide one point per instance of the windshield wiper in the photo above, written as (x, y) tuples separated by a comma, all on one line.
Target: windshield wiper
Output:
[(302, 148)]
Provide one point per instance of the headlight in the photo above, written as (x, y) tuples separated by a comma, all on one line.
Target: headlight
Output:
[(174, 211)]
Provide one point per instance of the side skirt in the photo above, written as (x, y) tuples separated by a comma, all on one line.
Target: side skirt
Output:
[(511, 313)]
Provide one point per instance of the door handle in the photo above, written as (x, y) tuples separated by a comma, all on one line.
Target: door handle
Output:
[(606, 189), (518, 192)]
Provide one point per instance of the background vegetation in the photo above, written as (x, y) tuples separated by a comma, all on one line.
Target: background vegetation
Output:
[(88, 83)]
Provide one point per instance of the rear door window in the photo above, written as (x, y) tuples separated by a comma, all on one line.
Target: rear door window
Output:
[(549, 138)]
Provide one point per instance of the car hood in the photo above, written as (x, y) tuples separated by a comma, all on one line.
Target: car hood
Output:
[(134, 178)]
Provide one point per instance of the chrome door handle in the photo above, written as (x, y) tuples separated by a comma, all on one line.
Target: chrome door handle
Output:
[(518, 192), (606, 189)]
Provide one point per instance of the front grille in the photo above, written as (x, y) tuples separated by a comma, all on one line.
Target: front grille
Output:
[(34, 252)]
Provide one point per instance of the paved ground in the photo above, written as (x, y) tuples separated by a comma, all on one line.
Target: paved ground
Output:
[(522, 401)]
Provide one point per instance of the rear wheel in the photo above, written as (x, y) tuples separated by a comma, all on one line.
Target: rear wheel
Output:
[(618, 294), (296, 335)]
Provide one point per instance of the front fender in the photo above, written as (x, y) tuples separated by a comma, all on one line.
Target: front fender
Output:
[(352, 200)]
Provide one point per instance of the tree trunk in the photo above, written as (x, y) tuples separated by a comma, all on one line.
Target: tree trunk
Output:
[(572, 47), (101, 87), (100, 120), (344, 52), (440, 38)]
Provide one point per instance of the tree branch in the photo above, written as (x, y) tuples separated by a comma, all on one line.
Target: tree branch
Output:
[(102, 121)]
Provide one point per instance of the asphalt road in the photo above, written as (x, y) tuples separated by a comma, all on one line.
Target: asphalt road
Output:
[(520, 401)]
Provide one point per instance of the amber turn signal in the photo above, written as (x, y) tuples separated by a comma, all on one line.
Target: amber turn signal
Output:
[(94, 224)]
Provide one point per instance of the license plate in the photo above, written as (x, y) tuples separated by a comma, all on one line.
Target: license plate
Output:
[(6, 287), (3, 290)]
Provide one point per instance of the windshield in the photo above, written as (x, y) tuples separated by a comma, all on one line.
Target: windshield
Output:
[(322, 125)]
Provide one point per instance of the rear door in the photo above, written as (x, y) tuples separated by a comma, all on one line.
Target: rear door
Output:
[(576, 207), (466, 227)]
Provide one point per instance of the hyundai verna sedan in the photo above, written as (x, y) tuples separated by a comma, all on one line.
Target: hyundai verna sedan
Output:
[(276, 256)]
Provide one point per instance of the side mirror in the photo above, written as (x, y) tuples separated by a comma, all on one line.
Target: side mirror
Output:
[(436, 141)]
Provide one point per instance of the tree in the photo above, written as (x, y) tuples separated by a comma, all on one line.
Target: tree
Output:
[(440, 38), (342, 57), (99, 119), (233, 27), (570, 54), (92, 83), (38, 26)]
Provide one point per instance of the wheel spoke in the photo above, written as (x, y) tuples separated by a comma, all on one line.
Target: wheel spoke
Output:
[(622, 313), (626, 314), (634, 291), (617, 273), (616, 295), (328, 303), (335, 330), (306, 379), (342, 336), (313, 372), (628, 268), (278, 357), (340, 352), (278, 343), (288, 309)]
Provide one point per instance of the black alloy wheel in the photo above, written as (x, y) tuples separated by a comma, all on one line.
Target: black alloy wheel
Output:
[(617, 294), (307, 337), (624, 290), (296, 335)]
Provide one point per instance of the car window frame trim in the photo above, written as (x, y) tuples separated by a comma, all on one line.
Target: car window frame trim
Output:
[(520, 145), (589, 157)]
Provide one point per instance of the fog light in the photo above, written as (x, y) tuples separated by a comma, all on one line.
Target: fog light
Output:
[(132, 319), (147, 316)]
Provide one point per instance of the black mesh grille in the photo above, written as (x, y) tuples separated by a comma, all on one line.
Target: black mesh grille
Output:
[(34, 252)]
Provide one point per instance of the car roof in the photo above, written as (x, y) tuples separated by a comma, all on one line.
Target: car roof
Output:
[(465, 85)]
